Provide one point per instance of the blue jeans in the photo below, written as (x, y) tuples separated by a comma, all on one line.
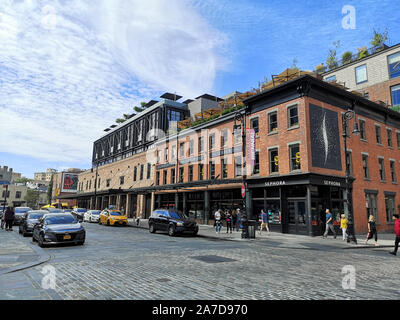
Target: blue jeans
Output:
[(218, 226)]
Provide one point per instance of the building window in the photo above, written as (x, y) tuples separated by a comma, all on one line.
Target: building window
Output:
[(201, 144), (389, 137), (331, 78), (182, 150), (166, 154), (148, 170), (90, 184), (273, 160), (87, 184), (238, 166), (294, 151), (381, 168), (256, 169), (372, 205), (18, 195), (141, 171), (212, 170), (393, 171), (212, 141), (363, 132), (254, 125), (361, 74), (365, 166), (394, 65), (201, 171), (98, 185), (224, 138), (395, 95), (135, 173), (366, 95), (190, 173), (273, 122), (181, 174), (4, 194), (158, 156), (158, 178), (173, 153), (165, 173), (173, 176), (390, 207), (398, 139), (293, 116), (121, 180), (237, 136), (108, 181), (191, 147), (224, 169), (378, 134)]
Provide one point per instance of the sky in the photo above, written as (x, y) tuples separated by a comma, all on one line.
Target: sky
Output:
[(69, 68)]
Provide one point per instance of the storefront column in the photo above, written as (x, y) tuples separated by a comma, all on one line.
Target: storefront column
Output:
[(206, 206), (153, 199), (284, 211), (249, 205), (159, 201), (176, 201), (309, 220), (127, 205), (184, 202)]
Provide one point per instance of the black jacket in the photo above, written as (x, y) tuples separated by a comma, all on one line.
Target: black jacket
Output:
[(9, 214)]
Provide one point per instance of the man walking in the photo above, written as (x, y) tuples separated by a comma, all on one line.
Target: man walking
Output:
[(9, 218), (329, 224), (264, 222), (217, 217), (397, 231)]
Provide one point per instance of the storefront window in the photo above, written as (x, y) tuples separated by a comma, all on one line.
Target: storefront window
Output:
[(390, 207), (372, 205)]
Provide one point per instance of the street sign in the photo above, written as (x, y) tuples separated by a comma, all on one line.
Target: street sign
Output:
[(4, 182), (243, 191)]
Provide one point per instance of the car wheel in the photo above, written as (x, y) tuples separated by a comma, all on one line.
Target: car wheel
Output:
[(19, 231), (33, 238), (195, 233), (41, 241), (171, 230), (90, 220), (151, 228), (24, 234), (99, 221), (108, 222)]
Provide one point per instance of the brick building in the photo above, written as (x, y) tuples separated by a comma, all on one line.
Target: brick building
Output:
[(300, 162)]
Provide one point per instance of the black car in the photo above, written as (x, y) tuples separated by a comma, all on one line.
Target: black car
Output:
[(19, 214), (30, 219), (56, 228), (172, 221), (78, 213)]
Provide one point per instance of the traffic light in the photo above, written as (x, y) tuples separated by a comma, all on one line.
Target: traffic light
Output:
[(298, 157)]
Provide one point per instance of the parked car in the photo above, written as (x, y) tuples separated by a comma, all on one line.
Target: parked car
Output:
[(112, 218), (91, 216), (54, 210), (67, 210), (56, 228), (19, 214), (31, 218), (172, 221), (78, 213)]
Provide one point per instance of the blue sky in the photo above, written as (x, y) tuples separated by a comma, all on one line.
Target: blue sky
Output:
[(68, 69)]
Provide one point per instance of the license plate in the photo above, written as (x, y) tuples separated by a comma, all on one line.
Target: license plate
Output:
[(67, 237)]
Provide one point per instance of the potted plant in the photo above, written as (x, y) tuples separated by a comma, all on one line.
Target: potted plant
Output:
[(362, 52), (347, 57)]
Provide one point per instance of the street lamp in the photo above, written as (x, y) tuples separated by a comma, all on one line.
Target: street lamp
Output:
[(348, 115), (240, 118)]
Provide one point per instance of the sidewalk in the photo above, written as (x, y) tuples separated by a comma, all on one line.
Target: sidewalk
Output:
[(287, 240), (16, 254)]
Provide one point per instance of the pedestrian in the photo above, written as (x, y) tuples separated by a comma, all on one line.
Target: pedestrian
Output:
[(138, 219), (264, 221), (234, 219), (329, 224), (217, 217), (397, 232), (3, 221), (372, 230), (239, 219), (122, 211), (228, 218), (9, 218), (343, 226)]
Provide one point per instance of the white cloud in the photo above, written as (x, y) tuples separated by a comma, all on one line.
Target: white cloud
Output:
[(69, 68)]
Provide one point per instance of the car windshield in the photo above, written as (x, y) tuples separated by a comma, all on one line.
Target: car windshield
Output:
[(35, 215), (177, 215), (55, 210), (115, 213), (22, 210), (95, 212), (80, 210), (60, 220)]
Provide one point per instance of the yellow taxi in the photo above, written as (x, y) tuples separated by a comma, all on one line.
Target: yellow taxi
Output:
[(112, 218)]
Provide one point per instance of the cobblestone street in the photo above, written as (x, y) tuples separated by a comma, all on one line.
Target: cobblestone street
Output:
[(130, 263)]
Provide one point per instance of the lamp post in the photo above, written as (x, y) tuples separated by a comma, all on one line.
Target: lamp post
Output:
[(348, 115), (240, 123)]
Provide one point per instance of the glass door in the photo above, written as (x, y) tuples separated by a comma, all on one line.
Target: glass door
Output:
[(298, 217)]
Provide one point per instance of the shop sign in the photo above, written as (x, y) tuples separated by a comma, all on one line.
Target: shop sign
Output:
[(251, 146), (332, 183), (275, 183)]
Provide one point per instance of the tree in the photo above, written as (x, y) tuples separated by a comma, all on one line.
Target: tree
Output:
[(331, 61), (141, 108), (347, 57), (22, 180), (136, 109), (32, 198), (379, 38)]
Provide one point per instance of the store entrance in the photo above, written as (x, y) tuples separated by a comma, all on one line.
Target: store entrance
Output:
[(298, 216)]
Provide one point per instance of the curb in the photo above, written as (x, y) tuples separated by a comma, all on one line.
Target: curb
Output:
[(43, 257)]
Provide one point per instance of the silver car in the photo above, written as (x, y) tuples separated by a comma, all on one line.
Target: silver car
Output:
[(91, 216)]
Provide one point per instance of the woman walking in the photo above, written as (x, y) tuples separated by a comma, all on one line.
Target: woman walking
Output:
[(372, 230), (228, 218), (9, 218), (343, 226)]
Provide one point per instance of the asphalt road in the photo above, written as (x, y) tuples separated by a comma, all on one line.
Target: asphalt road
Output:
[(130, 263)]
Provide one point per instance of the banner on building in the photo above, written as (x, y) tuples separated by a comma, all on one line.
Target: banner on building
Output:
[(69, 182), (251, 147)]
